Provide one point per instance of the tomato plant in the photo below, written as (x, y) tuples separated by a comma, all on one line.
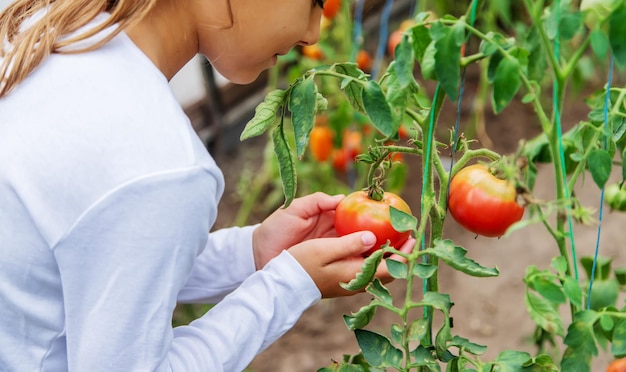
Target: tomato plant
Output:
[(359, 211), (530, 52), (483, 203)]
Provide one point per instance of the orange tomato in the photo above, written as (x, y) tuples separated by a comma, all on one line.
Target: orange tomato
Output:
[(393, 41), (331, 8), (364, 60), (352, 143), (618, 365), (313, 51), (321, 142)]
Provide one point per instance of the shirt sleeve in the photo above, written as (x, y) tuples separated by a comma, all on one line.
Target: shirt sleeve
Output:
[(123, 264), (225, 263)]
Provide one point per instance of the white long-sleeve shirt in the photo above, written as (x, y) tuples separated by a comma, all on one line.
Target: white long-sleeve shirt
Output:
[(106, 200)]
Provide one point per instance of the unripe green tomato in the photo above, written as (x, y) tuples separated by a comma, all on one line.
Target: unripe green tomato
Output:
[(615, 197), (597, 10)]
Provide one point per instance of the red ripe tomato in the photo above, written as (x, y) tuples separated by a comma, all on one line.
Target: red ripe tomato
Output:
[(331, 8), (364, 60), (618, 365), (483, 203), (357, 212), (340, 160), (321, 142)]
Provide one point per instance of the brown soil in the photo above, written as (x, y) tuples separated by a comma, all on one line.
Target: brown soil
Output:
[(488, 311)]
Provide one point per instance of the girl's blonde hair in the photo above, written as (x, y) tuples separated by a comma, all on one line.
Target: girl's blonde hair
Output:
[(23, 49)]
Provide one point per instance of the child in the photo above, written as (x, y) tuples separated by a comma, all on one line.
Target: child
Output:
[(107, 195)]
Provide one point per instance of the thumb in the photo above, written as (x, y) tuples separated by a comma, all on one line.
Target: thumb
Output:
[(350, 245)]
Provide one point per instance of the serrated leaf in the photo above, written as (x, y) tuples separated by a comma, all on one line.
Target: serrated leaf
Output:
[(366, 275), (600, 165), (361, 318), (543, 314), (506, 83), (377, 108), (454, 256), (302, 103), (352, 89), (265, 115), (286, 164), (380, 291), (448, 57), (377, 349)]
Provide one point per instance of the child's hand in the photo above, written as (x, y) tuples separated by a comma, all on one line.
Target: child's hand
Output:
[(330, 261), (308, 217)]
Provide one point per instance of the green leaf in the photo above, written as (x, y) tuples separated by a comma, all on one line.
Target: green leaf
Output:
[(361, 318), (365, 276), (549, 290), (352, 89), (570, 24), (302, 103), (581, 342), (397, 332), (402, 221), (286, 164), (559, 264), (428, 61), (604, 293), (573, 291), (424, 271), (404, 62), (600, 164), (454, 256), (397, 269), (265, 115), (511, 360), (543, 314), (599, 43), (618, 347), (418, 329), (448, 43), (506, 83), (424, 358), (617, 34), (465, 344), (603, 266), (421, 40), (377, 108), (439, 301), (441, 341), (377, 349), (380, 291)]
